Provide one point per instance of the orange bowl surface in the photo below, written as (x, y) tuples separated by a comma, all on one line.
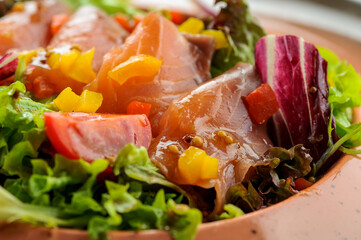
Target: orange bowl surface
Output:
[(330, 209)]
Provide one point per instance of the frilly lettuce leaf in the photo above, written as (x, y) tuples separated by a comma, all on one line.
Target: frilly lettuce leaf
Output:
[(273, 180), (243, 32), (345, 94), (136, 165), (67, 193), (22, 129)]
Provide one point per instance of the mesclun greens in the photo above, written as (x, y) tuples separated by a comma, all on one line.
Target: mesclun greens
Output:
[(272, 181), (68, 193), (345, 88), (243, 33)]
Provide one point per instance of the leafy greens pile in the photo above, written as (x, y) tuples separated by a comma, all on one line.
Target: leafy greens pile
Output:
[(64, 192)]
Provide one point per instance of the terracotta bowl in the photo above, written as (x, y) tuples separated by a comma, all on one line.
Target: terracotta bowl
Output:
[(330, 209)]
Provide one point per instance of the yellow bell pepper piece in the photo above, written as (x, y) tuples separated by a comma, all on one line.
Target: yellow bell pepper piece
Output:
[(30, 54), (54, 60), (221, 41), (67, 100), (136, 66), (82, 69), (195, 165), (74, 64), (67, 60), (192, 25), (89, 102)]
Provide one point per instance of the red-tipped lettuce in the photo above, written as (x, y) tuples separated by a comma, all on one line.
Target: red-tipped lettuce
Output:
[(298, 75)]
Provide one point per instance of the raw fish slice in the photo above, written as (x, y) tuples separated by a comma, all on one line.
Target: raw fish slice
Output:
[(213, 107), (28, 27), (90, 27), (184, 67)]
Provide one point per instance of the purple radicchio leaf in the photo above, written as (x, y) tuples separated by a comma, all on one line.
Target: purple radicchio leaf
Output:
[(8, 65), (298, 75)]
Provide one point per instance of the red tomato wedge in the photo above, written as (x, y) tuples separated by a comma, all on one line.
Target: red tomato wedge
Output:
[(94, 136)]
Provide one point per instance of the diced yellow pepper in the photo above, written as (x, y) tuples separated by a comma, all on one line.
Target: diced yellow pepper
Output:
[(82, 69), (30, 54), (192, 25), (195, 165), (221, 41), (89, 102), (136, 66), (54, 60), (74, 64), (67, 100), (67, 60)]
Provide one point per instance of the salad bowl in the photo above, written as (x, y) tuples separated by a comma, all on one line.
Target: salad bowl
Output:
[(329, 209)]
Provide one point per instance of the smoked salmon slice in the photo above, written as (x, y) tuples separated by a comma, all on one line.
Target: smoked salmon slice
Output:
[(215, 114), (28, 25), (89, 28), (184, 66)]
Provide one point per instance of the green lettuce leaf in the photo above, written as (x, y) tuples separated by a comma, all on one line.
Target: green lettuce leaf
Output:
[(21, 129), (135, 164), (345, 88), (230, 211), (12, 209), (273, 180), (243, 32), (68, 193)]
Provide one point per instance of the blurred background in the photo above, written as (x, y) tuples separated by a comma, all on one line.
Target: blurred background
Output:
[(339, 16)]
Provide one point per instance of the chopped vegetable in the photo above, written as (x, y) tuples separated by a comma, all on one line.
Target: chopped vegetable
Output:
[(177, 17), (195, 165), (192, 25), (301, 183), (136, 66), (221, 41), (67, 100), (89, 102), (136, 107), (125, 22), (262, 104), (57, 21), (74, 64), (94, 136), (30, 54)]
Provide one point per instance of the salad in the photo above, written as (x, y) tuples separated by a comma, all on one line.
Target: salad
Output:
[(118, 118)]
